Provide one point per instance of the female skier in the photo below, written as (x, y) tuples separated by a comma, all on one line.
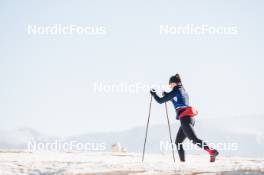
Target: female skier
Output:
[(185, 113)]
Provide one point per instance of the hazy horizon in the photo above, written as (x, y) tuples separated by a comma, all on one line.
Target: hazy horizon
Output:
[(46, 81)]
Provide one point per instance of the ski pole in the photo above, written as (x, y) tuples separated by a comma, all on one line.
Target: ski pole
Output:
[(168, 120), (146, 133)]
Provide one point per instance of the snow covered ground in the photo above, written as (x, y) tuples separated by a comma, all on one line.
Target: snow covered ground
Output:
[(51, 163)]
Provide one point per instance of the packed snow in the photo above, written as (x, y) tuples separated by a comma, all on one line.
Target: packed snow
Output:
[(79, 163)]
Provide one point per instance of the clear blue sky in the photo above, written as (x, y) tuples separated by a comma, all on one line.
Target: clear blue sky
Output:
[(46, 81)]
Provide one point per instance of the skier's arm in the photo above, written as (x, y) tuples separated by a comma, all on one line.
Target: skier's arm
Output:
[(167, 97)]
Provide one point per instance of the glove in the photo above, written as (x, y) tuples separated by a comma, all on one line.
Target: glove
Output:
[(164, 93), (153, 92)]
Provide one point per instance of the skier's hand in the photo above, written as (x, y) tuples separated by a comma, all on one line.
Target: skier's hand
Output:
[(164, 93), (152, 91)]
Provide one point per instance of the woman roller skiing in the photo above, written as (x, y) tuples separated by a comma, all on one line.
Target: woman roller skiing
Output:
[(185, 113)]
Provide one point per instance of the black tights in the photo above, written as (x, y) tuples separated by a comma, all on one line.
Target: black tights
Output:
[(186, 130)]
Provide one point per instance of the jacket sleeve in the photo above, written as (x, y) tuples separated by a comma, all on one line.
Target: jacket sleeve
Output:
[(166, 98)]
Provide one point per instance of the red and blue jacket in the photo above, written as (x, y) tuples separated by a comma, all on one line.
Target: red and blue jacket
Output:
[(180, 100)]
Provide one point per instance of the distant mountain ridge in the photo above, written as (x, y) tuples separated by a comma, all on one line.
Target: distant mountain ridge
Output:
[(250, 140)]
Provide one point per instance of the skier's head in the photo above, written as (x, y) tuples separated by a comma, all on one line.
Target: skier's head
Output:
[(175, 80)]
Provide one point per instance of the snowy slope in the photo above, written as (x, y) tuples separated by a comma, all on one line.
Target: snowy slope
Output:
[(23, 163)]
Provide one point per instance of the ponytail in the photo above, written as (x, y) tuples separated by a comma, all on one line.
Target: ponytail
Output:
[(176, 79)]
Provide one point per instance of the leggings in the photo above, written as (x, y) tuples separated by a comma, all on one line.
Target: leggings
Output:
[(186, 130)]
